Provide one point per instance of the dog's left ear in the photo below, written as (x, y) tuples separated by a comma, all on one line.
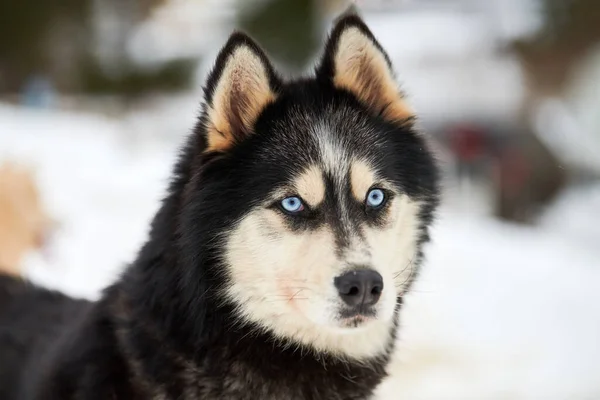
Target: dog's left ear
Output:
[(241, 84), (354, 61)]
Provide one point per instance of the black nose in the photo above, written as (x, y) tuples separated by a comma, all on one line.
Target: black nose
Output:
[(359, 287)]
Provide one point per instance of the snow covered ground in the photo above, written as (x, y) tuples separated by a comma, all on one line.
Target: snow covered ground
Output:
[(500, 311)]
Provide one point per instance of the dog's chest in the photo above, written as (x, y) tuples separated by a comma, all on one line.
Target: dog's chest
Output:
[(240, 381)]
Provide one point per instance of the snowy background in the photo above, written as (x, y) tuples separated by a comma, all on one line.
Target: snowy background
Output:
[(501, 310)]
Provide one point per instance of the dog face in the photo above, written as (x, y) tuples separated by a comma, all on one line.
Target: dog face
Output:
[(318, 193)]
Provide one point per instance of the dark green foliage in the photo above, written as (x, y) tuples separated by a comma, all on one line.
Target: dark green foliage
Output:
[(289, 30), (24, 29), (133, 81), (34, 34), (567, 21)]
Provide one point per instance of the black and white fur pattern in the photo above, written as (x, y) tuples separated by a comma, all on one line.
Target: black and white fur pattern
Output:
[(231, 297)]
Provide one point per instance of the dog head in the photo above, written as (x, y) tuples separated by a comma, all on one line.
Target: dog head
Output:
[(312, 197)]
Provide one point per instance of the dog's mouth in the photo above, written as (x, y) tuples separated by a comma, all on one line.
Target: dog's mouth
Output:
[(357, 316)]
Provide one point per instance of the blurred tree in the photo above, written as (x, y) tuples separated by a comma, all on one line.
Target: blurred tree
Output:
[(108, 69), (26, 32), (570, 30), (55, 40), (131, 81), (291, 31)]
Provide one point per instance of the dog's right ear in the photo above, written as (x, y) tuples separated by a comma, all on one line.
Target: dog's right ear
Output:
[(354, 61), (241, 84)]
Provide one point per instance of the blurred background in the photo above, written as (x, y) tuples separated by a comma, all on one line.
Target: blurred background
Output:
[(96, 96)]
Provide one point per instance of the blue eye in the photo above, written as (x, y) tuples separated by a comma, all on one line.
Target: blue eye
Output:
[(292, 205), (375, 198)]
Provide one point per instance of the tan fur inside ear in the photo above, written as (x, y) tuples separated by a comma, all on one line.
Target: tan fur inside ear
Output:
[(361, 68), (241, 94)]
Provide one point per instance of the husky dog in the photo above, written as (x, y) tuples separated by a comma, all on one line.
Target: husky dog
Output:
[(275, 267)]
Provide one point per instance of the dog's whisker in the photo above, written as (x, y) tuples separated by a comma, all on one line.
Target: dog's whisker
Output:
[(409, 264), (287, 299), (291, 279)]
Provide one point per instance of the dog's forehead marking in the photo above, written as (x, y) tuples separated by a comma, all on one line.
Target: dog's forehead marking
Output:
[(310, 185), (335, 160), (362, 178), (334, 157)]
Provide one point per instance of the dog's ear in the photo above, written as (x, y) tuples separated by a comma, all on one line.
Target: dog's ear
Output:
[(356, 62), (241, 84)]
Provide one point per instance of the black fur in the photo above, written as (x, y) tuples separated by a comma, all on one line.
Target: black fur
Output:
[(163, 331)]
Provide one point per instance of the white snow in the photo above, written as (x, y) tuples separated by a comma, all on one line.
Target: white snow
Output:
[(500, 311), (100, 189)]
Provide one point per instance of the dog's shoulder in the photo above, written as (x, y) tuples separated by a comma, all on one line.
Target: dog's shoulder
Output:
[(53, 346)]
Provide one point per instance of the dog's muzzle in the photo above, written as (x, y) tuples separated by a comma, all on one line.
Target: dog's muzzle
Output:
[(360, 290)]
